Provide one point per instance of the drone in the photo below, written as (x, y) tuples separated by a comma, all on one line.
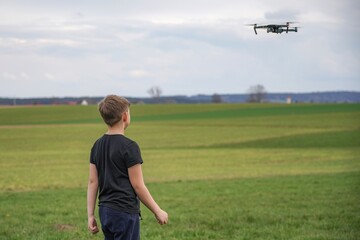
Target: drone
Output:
[(276, 28)]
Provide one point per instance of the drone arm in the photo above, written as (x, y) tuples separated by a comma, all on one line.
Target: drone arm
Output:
[(256, 26)]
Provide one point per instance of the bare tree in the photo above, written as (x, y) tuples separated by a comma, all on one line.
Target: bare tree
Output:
[(257, 94), (155, 92), (216, 98)]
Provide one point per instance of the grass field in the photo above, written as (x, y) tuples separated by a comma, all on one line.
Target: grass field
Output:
[(224, 171)]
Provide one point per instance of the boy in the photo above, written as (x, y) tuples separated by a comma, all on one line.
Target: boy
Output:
[(115, 172)]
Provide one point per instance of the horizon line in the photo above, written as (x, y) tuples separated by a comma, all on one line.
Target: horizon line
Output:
[(180, 95)]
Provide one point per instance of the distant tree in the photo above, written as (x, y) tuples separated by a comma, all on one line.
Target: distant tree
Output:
[(257, 94), (155, 92), (216, 98)]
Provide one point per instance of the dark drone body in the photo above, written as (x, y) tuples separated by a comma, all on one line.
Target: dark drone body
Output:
[(275, 28)]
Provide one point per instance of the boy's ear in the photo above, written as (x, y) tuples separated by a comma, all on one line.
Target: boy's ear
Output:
[(124, 116)]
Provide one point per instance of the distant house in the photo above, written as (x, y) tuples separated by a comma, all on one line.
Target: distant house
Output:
[(71, 102), (289, 100), (84, 103)]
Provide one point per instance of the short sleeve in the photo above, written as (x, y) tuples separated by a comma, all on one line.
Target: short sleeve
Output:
[(133, 155), (92, 157)]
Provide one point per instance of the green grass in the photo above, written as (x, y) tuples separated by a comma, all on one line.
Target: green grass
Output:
[(228, 171), (323, 206), (88, 114)]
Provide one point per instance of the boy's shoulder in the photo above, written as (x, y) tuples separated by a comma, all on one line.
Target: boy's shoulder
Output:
[(116, 138)]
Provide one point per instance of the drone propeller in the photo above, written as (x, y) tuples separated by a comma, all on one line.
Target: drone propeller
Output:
[(253, 25)]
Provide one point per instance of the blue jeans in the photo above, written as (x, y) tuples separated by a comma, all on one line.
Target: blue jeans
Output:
[(117, 225)]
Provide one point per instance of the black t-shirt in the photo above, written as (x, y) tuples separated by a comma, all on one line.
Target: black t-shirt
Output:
[(112, 156)]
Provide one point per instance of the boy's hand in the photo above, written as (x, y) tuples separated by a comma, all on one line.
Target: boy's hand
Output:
[(162, 217), (92, 225)]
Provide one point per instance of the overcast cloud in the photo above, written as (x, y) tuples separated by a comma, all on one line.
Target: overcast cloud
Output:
[(94, 48)]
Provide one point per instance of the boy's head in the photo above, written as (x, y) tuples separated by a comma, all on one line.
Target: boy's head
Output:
[(114, 109)]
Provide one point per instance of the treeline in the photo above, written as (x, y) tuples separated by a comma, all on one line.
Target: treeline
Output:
[(315, 97)]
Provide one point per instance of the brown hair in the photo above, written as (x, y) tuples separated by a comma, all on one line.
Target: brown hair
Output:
[(112, 107)]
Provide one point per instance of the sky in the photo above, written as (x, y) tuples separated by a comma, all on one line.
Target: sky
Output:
[(79, 48)]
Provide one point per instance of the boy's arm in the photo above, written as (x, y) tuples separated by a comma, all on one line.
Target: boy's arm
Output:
[(137, 182), (91, 198)]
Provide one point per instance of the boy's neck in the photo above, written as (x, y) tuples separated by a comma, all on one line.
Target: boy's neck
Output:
[(116, 129)]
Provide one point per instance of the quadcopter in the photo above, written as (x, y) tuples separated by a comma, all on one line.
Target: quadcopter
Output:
[(276, 28)]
